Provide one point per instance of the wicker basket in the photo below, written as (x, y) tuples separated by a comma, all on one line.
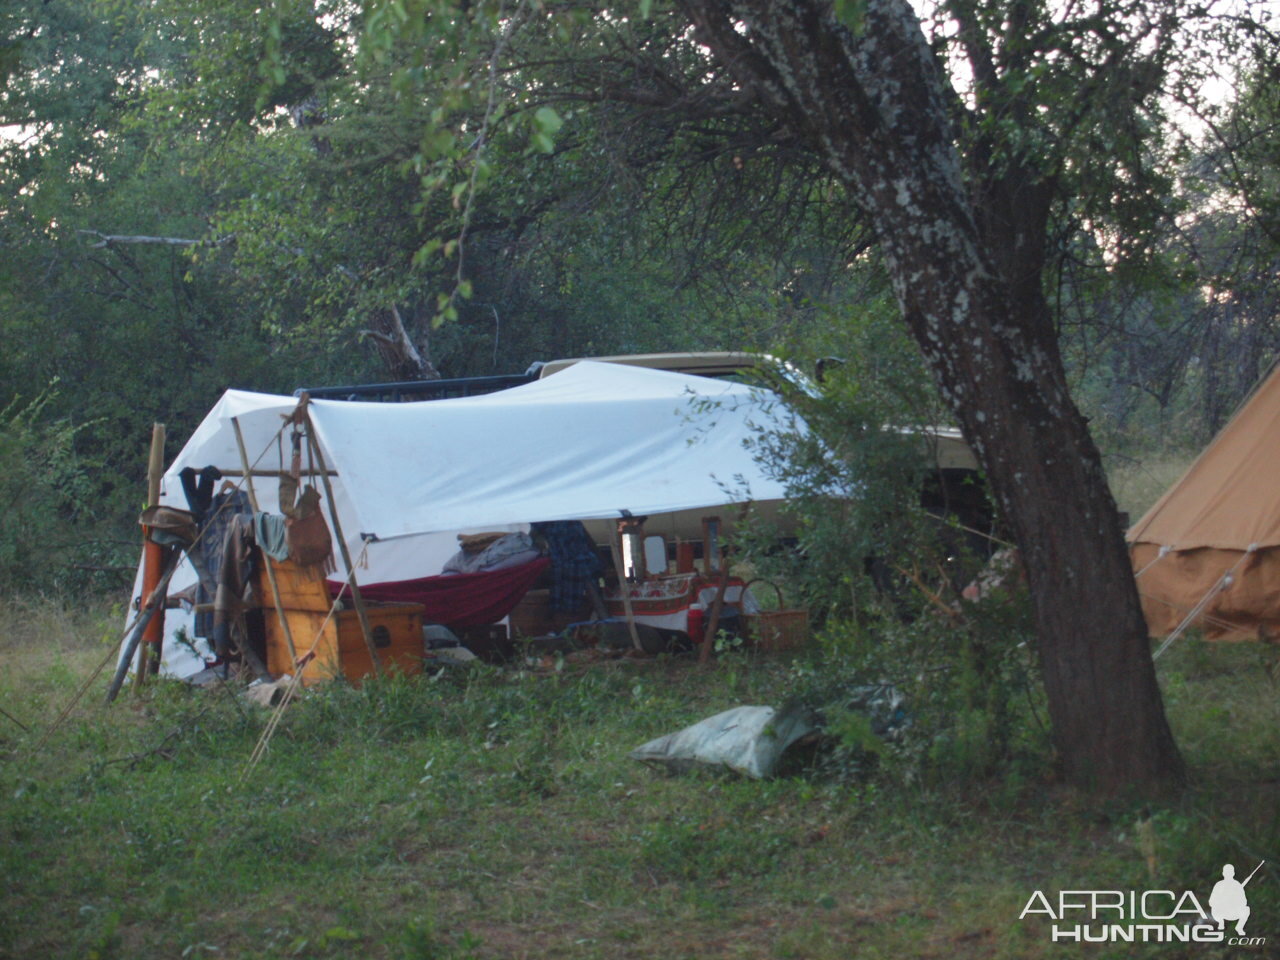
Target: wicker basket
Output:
[(777, 629)]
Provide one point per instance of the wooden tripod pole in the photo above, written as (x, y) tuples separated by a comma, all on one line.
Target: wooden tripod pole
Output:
[(270, 564), (361, 613)]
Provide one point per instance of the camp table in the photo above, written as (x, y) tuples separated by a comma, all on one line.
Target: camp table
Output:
[(664, 602)]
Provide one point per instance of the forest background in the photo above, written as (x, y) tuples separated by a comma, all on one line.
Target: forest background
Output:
[(198, 196)]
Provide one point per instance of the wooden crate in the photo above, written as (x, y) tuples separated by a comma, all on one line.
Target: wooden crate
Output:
[(338, 643), (532, 616)]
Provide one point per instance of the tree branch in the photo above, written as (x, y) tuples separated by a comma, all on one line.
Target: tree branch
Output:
[(108, 239)]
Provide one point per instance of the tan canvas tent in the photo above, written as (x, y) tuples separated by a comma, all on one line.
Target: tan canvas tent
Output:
[(1207, 554)]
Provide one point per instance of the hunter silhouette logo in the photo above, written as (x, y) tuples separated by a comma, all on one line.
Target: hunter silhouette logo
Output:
[(1228, 900), (1149, 916)]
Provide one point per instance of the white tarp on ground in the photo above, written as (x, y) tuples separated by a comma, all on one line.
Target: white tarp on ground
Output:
[(586, 443), (746, 740)]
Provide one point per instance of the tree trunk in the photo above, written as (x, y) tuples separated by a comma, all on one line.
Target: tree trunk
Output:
[(404, 358), (965, 250)]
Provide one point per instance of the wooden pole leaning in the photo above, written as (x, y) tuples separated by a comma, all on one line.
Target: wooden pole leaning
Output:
[(150, 605), (361, 612), (623, 586), (270, 564), (717, 605), (153, 560), (155, 464), (711, 543)]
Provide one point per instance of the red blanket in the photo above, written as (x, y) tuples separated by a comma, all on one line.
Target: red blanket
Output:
[(460, 600)]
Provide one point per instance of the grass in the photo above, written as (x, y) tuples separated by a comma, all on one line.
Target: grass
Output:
[(1138, 481), (495, 814)]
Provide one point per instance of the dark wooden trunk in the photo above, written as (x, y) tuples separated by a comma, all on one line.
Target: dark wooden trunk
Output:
[(964, 245), (1105, 706)]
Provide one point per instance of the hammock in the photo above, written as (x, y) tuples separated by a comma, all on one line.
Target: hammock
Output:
[(458, 600)]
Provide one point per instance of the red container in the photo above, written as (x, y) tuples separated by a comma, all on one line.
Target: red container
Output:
[(696, 626)]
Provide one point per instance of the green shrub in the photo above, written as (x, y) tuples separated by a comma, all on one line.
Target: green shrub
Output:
[(45, 494), (883, 580), (971, 701)]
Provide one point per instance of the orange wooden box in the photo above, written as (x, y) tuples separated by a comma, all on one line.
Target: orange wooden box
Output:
[(339, 645)]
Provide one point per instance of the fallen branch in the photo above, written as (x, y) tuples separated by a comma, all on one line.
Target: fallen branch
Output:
[(107, 239), (161, 749), (930, 595), (15, 719), (158, 750)]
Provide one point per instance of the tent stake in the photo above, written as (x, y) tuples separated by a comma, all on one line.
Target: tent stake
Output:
[(361, 612), (271, 570)]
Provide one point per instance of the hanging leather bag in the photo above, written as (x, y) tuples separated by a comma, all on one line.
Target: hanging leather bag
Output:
[(306, 533)]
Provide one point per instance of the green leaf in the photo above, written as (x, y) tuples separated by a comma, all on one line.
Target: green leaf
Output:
[(548, 120), (437, 143), (425, 252)]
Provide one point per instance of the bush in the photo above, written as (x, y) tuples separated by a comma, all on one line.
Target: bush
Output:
[(883, 578), (44, 491)]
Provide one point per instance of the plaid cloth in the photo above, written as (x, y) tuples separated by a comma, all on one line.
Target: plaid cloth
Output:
[(574, 562)]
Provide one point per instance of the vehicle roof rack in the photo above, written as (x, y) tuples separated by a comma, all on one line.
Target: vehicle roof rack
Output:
[(410, 390)]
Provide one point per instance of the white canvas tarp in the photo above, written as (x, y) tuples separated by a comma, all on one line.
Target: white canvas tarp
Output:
[(583, 444), (588, 443)]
